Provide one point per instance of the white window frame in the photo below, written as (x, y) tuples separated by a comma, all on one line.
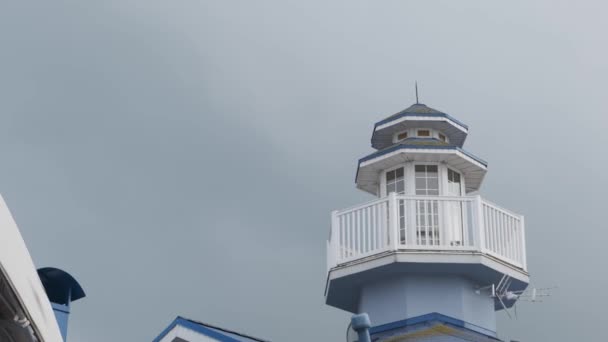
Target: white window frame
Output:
[(396, 136), (409, 175), (440, 173), (383, 178), (462, 187), (413, 133)]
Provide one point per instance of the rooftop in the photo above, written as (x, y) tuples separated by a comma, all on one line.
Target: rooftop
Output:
[(419, 109), (203, 332)]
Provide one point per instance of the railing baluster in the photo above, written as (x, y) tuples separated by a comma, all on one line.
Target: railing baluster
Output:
[(508, 244), (342, 237), (358, 231), (495, 232), (334, 245), (375, 223), (490, 228), (506, 234), (349, 234), (478, 225), (491, 225), (384, 224), (368, 230), (505, 242), (515, 240), (499, 238), (518, 239), (514, 243), (394, 221), (501, 233), (362, 230), (524, 261)]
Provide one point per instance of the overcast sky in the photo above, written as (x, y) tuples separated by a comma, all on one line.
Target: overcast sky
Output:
[(182, 157)]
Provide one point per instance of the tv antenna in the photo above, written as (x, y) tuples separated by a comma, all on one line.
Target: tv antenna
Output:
[(501, 293)]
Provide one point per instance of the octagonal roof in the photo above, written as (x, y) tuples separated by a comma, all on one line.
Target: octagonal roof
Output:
[(422, 150), (418, 116)]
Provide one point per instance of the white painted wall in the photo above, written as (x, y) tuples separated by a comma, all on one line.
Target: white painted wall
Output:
[(18, 267)]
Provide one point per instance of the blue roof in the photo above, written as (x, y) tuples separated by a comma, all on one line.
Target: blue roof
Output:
[(427, 321), (422, 144), (220, 334), (420, 110)]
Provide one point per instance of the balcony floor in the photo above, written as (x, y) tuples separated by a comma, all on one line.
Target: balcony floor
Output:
[(344, 280)]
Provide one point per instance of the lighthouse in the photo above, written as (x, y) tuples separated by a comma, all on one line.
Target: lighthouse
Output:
[(429, 258)]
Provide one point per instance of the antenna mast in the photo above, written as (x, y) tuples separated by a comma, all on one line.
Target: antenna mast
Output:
[(417, 92)]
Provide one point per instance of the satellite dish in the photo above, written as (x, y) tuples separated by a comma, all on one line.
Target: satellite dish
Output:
[(351, 334)]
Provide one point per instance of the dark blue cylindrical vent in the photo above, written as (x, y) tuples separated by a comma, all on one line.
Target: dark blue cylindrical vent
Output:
[(62, 289)]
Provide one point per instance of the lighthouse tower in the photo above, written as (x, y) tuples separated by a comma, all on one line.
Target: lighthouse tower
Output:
[(429, 259)]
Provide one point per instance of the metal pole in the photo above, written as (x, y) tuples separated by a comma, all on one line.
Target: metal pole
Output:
[(361, 324)]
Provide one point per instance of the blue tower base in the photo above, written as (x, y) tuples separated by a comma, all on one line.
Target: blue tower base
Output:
[(400, 297), (432, 327)]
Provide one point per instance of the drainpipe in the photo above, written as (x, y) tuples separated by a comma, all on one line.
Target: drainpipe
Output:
[(361, 325)]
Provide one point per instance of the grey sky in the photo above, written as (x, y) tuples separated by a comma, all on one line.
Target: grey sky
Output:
[(182, 157)]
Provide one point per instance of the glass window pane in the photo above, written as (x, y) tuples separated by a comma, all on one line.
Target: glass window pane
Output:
[(420, 184), (421, 220), (420, 168), (431, 168), (400, 189), (433, 183), (399, 172), (390, 176), (424, 133)]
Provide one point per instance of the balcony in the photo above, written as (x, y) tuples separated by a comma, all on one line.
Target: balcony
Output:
[(427, 224)]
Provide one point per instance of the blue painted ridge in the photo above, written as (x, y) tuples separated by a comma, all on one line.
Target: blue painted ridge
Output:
[(433, 317), (422, 147), (437, 115), (196, 327), (205, 329)]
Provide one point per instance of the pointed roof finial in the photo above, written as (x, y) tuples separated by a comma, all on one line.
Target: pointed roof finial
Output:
[(417, 93)]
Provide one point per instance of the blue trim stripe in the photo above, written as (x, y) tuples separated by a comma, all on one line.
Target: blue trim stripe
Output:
[(436, 115), (195, 327), (433, 317), (421, 147)]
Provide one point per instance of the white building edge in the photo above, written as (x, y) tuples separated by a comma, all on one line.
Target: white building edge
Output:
[(25, 311)]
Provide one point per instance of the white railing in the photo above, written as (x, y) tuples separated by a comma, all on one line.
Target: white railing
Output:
[(399, 222)]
